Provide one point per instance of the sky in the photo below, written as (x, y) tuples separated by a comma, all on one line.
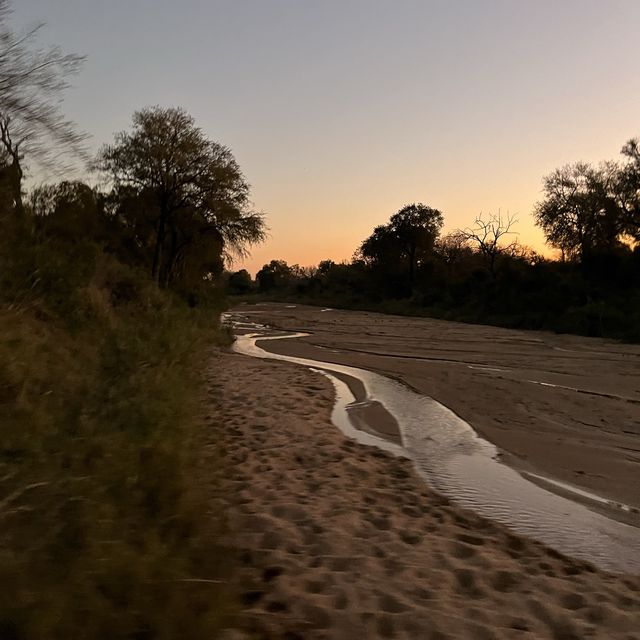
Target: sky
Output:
[(340, 112)]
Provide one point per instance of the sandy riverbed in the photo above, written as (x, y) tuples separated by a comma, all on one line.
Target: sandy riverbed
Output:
[(339, 540), (585, 430)]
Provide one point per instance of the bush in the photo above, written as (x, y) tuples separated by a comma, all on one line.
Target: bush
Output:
[(103, 526)]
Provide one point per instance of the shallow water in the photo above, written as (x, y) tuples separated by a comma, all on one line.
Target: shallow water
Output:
[(454, 460)]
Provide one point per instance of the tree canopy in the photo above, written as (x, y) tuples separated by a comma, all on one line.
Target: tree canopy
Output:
[(628, 188), (273, 275), (407, 238), (589, 210), (196, 200)]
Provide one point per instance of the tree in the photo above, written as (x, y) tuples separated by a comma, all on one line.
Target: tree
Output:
[(407, 238), (201, 199), (518, 252), (275, 275), (487, 234), (68, 209), (32, 81), (325, 266), (452, 248), (581, 213), (381, 248), (628, 189), (416, 227), (240, 282)]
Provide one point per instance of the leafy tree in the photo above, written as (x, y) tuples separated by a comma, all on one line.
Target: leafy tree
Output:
[(325, 266), (406, 239), (69, 208), (416, 228), (628, 189), (240, 282), (381, 248), (275, 275), (32, 81), (451, 249), (200, 200), (580, 213)]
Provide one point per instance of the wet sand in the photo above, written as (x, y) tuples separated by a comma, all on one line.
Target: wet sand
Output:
[(370, 416), (337, 539), (565, 407)]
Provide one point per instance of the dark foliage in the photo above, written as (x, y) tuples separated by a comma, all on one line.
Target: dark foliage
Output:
[(182, 196)]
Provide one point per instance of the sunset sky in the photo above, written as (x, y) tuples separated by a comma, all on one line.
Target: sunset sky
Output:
[(340, 112)]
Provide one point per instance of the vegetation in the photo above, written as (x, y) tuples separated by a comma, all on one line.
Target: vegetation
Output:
[(183, 196), (483, 274), (102, 524), (108, 302), (405, 240)]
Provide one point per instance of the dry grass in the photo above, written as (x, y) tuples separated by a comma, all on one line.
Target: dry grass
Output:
[(102, 532)]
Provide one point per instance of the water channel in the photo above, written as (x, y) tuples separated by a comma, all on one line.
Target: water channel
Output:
[(455, 461)]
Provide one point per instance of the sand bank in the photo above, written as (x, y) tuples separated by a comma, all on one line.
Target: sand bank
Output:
[(565, 407), (339, 540)]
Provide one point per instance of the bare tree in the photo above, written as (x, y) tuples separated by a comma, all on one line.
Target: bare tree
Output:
[(32, 81), (11, 169), (487, 235)]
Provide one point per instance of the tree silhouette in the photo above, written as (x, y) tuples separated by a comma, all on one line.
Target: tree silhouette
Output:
[(381, 248), (68, 209), (407, 238), (451, 249), (32, 81), (240, 282), (580, 212), (274, 275), (628, 188), (201, 198), (487, 234)]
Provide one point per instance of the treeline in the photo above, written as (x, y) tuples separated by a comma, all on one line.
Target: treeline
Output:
[(108, 305), (483, 274)]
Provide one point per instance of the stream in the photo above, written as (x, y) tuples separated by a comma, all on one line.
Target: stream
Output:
[(454, 460)]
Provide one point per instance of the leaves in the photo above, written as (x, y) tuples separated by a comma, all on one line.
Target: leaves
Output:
[(582, 211), (202, 209)]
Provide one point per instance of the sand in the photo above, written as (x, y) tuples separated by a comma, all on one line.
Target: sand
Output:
[(340, 540), (586, 434)]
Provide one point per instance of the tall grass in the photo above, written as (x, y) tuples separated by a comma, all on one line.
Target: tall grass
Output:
[(104, 531)]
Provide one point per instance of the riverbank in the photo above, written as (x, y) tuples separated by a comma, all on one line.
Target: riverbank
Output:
[(104, 532), (564, 407), (339, 539)]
